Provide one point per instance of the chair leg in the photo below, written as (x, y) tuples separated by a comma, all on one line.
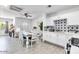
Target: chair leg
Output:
[(31, 43)]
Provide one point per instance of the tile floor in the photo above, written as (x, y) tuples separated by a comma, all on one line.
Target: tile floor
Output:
[(14, 46)]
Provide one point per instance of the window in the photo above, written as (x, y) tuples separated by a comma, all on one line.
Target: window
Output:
[(58, 25), (68, 30), (68, 27), (64, 22), (64, 19), (71, 27), (58, 22), (65, 30), (55, 22), (64, 27), (76, 27)]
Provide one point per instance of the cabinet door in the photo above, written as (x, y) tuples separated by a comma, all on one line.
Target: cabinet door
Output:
[(50, 37), (53, 38), (62, 40), (46, 36)]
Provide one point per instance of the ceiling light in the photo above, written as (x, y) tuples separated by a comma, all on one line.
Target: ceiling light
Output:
[(49, 6)]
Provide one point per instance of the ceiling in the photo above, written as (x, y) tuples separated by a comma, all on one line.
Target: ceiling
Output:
[(44, 8), (38, 10)]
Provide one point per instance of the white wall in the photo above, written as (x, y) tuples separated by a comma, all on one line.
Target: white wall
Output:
[(37, 21), (72, 17)]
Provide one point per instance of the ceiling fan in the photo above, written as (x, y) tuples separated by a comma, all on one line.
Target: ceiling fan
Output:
[(27, 15)]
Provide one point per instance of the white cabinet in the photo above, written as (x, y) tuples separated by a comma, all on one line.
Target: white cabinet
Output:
[(50, 37), (62, 39), (56, 38)]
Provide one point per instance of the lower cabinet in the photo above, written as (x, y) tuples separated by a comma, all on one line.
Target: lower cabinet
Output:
[(55, 38)]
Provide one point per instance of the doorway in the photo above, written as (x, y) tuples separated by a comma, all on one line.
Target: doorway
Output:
[(2, 27)]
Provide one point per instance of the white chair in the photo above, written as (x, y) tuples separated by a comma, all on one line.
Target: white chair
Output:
[(33, 39), (17, 31)]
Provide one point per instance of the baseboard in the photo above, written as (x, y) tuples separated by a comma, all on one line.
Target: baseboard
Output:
[(53, 44)]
